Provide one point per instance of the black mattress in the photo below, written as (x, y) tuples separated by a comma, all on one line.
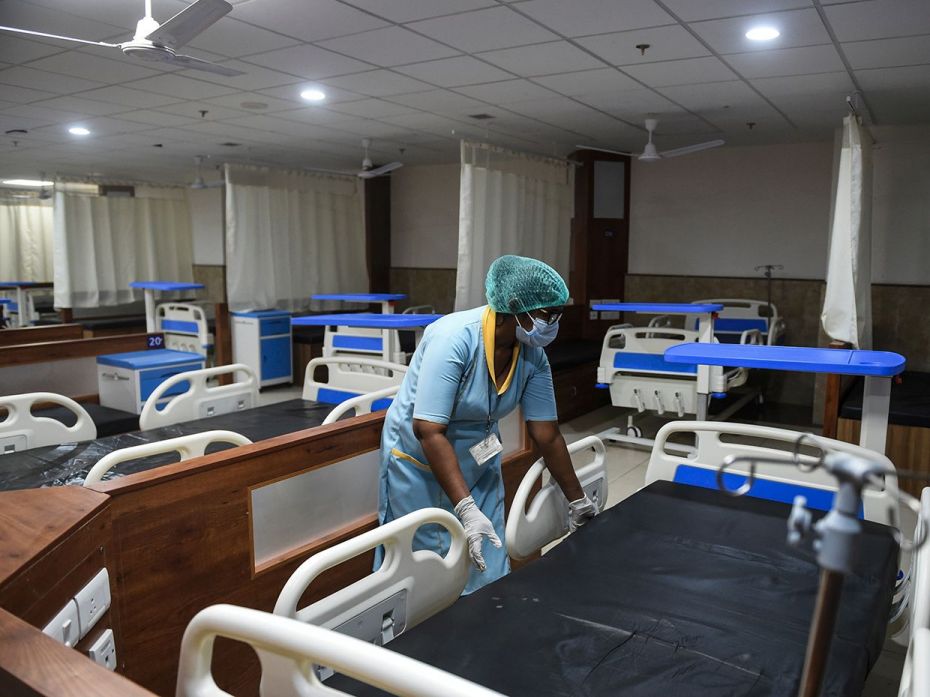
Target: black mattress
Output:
[(675, 591), (568, 354), (70, 463), (109, 422), (910, 400)]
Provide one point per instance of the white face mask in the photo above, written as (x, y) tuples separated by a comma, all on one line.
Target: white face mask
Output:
[(542, 334)]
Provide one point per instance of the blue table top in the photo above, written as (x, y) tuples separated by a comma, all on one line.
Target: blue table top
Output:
[(157, 358), (5, 301), (261, 314), (25, 284), (796, 358), (659, 308), (366, 319), (165, 285), (360, 297)]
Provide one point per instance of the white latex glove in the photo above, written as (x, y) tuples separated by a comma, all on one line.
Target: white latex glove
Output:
[(580, 512), (477, 527)]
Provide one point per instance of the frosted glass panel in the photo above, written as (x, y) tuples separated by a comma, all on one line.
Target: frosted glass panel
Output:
[(609, 179)]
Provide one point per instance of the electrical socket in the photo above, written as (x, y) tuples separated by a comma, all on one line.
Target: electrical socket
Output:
[(103, 651), (93, 600)]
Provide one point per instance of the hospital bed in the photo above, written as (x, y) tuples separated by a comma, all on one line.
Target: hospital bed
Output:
[(22, 429), (700, 595), (185, 327), (150, 287), (740, 315), (915, 679), (366, 334)]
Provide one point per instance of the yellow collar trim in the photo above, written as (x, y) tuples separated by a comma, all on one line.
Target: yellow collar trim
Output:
[(488, 327)]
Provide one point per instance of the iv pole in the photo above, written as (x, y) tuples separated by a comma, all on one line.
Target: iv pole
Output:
[(768, 275)]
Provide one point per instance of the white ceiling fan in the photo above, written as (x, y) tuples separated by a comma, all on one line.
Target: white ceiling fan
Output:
[(158, 42), (199, 182), (651, 154), (369, 171)]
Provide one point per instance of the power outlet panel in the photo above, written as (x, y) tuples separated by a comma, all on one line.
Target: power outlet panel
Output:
[(93, 600), (103, 651), (65, 627)]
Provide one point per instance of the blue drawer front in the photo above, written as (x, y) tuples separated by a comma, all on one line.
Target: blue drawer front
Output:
[(276, 358), (277, 325), (358, 343), (150, 379)]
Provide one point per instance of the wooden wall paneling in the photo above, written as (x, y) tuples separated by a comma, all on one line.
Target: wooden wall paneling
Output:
[(222, 340), (34, 665), (24, 354), (377, 192), (33, 335)]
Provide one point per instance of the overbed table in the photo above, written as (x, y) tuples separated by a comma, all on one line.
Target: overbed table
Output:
[(675, 591), (149, 288), (70, 463), (386, 300), (378, 335)]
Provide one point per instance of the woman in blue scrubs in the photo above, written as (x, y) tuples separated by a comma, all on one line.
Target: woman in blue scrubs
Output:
[(441, 445)]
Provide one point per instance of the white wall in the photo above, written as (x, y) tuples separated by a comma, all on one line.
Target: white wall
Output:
[(425, 217), (206, 209), (901, 205), (723, 212)]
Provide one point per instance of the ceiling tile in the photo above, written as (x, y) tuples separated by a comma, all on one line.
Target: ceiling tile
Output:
[(410, 10), (51, 82), (797, 27), (371, 108), (14, 49), (506, 92), (255, 77), (665, 43), (588, 82), (193, 109), (910, 78), (307, 20), (631, 105), (786, 61), (440, 102), (40, 115), (691, 11), (581, 17), (178, 86), (79, 105), (437, 125), (309, 62), (900, 106), (80, 64), (888, 53), (15, 13), (681, 72), (102, 125), (542, 59), (235, 39), (235, 101), (712, 96), (452, 72), (291, 93), (801, 89), (22, 95), (158, 118), (110, 13), (378, 83), (484, 30), (318, 117), (879, 19), (388, 47), (117, 94)]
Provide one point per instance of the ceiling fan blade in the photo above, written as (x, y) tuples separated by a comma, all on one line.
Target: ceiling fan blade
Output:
[(189, 22), (57, 36), (197, 64), (378, 171), (607, 150), (688, 149)]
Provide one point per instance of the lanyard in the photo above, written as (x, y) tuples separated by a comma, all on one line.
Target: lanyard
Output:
[(490, 387)]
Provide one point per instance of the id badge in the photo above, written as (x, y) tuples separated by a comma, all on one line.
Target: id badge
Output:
[(486, 449)]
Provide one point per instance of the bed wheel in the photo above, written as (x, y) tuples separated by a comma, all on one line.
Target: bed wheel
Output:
[(634, 431)]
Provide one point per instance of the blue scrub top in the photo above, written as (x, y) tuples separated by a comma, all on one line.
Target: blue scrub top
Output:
[(455, 359)]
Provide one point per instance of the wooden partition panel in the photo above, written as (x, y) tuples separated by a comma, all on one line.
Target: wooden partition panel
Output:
[(33, 335), (24, 354)]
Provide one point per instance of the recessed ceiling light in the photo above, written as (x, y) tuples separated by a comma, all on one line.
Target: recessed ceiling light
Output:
[(78, 131), (762, 33), (313, 95), (26, 182)]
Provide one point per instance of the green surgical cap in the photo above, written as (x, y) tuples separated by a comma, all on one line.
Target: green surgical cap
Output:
[(520, 284)]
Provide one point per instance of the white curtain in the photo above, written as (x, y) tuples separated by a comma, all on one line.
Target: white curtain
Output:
[(847, 308), (290, 235), (510, 203), (25, 240), (103, 243)]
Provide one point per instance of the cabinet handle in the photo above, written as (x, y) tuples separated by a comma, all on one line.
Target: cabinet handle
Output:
[(113, 376)]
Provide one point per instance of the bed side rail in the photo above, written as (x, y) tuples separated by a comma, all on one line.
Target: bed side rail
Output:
[(296, 646), (21, 429), (350, 376), (363, 404), (546, 520)]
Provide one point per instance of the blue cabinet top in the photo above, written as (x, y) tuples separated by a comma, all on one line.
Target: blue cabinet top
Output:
[(262, 314), (659, 308), (796, 358), (165, 285), (158, 358)]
